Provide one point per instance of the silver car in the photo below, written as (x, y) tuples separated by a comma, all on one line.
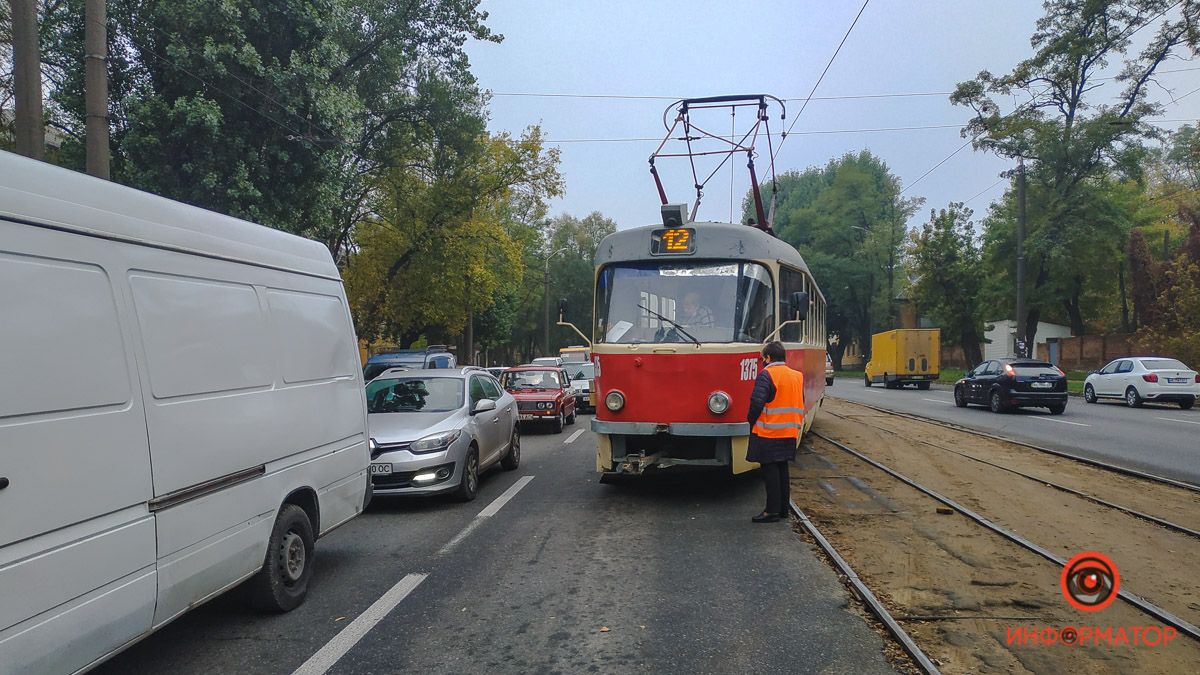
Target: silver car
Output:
[(436, 431)]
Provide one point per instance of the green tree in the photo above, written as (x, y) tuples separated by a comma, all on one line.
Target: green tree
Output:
[(1071, 136), (945, 264), (847, 220)]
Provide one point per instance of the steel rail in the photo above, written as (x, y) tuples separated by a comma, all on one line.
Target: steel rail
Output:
[(1071, 491), (897, 631), (1050, 451), (1135, 600)]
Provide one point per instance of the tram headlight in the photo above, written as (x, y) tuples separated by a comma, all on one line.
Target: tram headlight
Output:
[(614, 401), (718, 402)]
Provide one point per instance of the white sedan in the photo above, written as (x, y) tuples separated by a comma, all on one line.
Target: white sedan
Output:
[(1137, 379)]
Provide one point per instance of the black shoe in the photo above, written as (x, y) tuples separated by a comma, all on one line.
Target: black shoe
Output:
[(765, 517)]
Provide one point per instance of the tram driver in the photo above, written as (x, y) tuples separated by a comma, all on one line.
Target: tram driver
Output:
[(694, 314)]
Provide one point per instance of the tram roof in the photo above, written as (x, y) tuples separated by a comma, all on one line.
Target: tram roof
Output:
[(713, 240)]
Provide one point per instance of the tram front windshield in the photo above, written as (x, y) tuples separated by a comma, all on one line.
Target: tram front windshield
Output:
[(659, 301)]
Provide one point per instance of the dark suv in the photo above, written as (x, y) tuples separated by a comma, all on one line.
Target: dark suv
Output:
[(1004, 384)]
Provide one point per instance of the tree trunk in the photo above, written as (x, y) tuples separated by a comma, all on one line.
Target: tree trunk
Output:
[(971, 348), (1125, 327), (1072, 305), (27, 80), (95, 89)]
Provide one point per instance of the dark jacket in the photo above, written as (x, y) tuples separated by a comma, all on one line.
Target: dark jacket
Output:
[(764, 450)]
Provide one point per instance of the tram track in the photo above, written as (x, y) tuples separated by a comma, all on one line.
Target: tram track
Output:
[(962, 538), (1135, 600), (1116, 468), (1162, 522)]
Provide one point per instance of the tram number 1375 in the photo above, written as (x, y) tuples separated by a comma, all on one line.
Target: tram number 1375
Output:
[(749, 369)]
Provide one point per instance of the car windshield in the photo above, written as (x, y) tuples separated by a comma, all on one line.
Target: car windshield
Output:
[(581, 371), (531, 379), (1163, 364), (414, 394), (711, 301)]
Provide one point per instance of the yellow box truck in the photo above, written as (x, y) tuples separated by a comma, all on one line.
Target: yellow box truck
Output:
[(904, 356)]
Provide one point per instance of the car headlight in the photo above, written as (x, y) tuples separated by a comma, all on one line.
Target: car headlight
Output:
[(718, 402), (435, 442), (614, 401), (372, 444)]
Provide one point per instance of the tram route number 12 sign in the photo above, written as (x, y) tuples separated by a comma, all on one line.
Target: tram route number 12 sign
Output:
[(673, 241)]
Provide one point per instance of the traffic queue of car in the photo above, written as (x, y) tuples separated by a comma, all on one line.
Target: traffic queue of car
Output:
[(435, 427)]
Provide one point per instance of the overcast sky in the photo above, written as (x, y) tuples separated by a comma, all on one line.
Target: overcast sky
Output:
[(706, 48)]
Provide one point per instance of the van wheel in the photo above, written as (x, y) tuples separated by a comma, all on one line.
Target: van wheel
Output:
[(468, 485), (923, 386), (867, 380), (1132, 398), (282, 583), (513, 459)]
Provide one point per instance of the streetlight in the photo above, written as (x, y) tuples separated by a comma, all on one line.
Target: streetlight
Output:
[(546, 300)]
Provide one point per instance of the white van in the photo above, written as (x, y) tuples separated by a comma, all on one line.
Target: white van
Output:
[(181, 409)]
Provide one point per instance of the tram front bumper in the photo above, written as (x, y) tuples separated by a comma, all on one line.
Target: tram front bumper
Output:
[(634, 447)]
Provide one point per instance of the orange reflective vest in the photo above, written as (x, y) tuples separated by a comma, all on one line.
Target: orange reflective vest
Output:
[(783, 416)]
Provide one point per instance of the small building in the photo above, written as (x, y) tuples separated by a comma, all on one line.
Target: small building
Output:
[(1000, 337)]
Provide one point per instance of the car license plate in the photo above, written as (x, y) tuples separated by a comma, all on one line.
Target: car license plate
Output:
[(1043, 385), (381, 469), (1177, 380), (528, 418)]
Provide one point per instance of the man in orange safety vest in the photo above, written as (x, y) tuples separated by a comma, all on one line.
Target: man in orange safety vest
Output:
[(776, 417)]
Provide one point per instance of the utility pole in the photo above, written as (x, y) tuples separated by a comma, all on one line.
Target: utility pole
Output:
[(27, 80), (1021, 255), (546, 302), (892, 266), (95, 86)]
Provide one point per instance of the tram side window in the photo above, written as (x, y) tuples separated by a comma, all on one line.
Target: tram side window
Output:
[(790, 281)]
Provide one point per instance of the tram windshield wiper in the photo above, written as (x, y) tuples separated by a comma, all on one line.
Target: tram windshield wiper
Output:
[(677, 326)]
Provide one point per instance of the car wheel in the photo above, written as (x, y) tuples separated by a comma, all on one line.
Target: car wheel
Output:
[(867, 380), (282, 583), (571, 419), (1132, 398), (1057, 409), (995, 402), (559, 422), (468, 485), (960, 397), (1089, 394), (513, 459), (923, 386), (1187, 405)]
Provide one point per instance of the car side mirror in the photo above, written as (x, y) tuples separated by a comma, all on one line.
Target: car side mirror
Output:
[(800, 304), (484, 405)]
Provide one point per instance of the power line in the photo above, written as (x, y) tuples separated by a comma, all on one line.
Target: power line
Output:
[(935, 166), (821, 78), (986, 189)]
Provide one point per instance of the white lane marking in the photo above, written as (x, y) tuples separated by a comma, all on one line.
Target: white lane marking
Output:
[(486, 513), (349, 636), (1172, 419), (1051, 419), (575, 435), (934, 400)]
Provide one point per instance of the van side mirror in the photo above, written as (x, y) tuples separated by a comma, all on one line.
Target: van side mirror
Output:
[(800, 304)]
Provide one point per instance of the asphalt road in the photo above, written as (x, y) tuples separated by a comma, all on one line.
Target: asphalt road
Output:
[(527, 577), (1156, 438)]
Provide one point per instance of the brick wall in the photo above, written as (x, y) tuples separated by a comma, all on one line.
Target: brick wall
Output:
[(1088, 352)]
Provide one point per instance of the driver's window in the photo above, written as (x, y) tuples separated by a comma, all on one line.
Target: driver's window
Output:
[(490, 389), (477, 392)]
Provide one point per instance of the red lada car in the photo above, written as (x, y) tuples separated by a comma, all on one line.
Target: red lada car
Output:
[(543, 394)]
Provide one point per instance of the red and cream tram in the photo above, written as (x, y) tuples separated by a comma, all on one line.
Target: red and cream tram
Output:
[(681, 314)]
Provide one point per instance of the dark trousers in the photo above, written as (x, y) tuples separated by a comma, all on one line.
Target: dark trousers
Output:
[(775, 476)]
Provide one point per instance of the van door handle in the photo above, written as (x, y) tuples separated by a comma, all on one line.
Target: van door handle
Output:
[(3, 482)]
